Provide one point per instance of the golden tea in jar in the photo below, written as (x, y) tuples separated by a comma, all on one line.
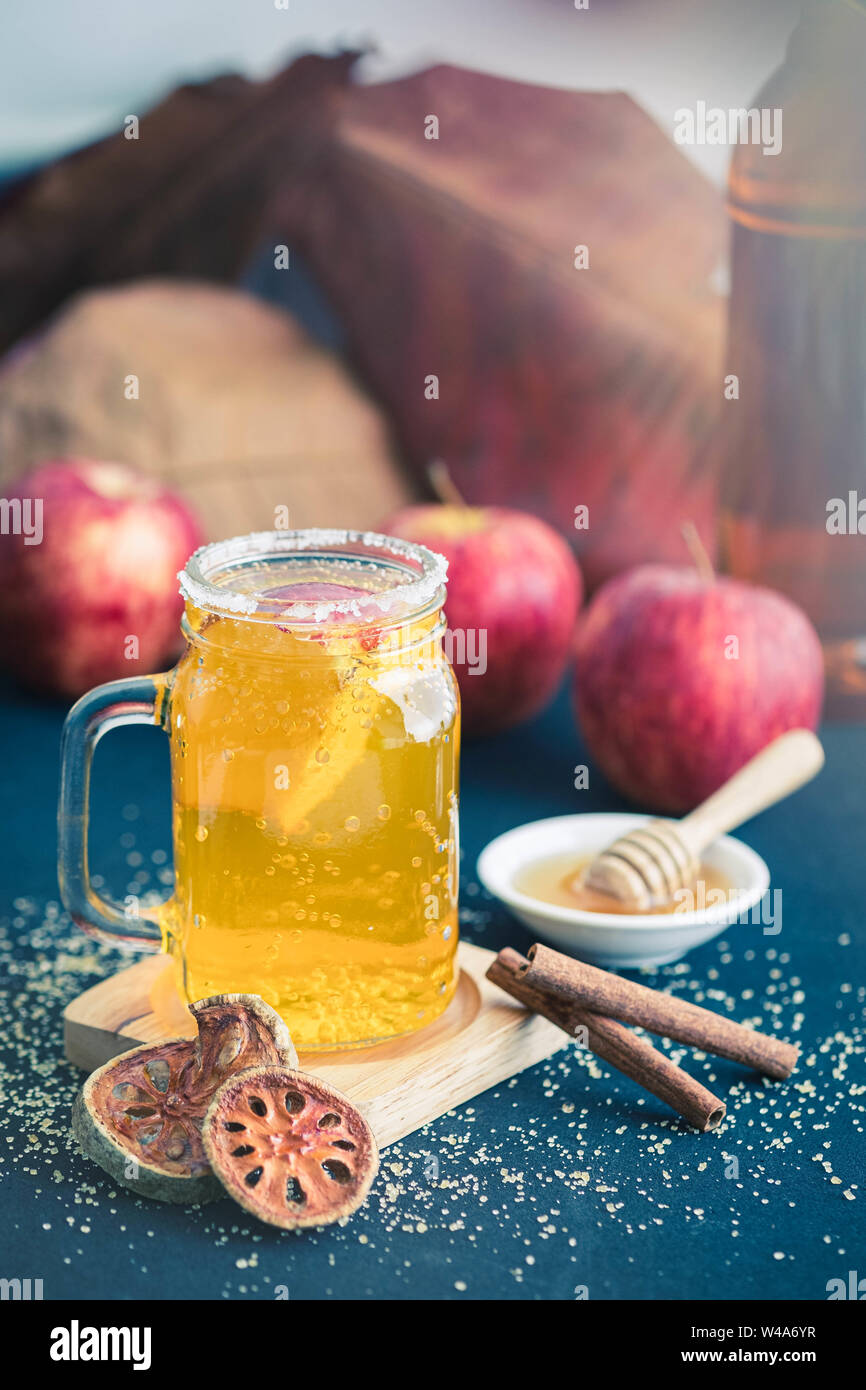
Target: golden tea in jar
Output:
[(313, 722)]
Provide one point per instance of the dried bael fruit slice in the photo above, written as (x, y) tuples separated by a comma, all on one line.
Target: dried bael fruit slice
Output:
[(289, 1148), (237, 1031), (140, 1116)]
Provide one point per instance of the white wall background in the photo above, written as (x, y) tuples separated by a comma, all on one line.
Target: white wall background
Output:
[(70, 70)]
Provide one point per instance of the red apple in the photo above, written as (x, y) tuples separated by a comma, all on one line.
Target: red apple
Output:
[(88, 565), (682, 677), (514, 590)]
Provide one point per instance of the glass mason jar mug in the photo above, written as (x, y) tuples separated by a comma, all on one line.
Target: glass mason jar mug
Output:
[(314, 730)]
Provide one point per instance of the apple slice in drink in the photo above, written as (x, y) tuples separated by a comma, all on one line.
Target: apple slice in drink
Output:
[(345, 739), (354, 689)]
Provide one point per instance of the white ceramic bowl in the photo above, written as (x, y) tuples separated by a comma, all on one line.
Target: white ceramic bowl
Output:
[(605, 938)]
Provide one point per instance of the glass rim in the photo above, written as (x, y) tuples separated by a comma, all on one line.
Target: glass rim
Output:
[(398, 602)]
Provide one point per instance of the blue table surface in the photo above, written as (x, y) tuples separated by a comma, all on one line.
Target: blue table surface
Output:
[(567, 1178)]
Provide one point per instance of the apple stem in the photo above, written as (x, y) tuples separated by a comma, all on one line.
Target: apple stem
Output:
[(444, 485), (697, 550)]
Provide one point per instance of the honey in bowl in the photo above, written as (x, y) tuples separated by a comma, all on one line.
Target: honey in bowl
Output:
[(558, 880)]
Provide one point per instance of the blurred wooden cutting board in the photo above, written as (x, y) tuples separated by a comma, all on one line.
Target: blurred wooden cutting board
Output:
[(482, 1038)]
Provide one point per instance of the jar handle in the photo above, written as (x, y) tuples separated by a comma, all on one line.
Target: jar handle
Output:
[(139, 700)]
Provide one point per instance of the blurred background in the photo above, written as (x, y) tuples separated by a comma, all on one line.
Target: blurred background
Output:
[(287, 257), (73, 79)]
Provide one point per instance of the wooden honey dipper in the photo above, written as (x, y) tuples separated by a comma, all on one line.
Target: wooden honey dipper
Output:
[(645, 868)]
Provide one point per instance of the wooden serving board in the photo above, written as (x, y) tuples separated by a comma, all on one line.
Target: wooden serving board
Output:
[(482, 1038)]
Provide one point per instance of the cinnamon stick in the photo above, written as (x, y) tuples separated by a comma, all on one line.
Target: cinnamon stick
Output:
[(585, 987), (632, 1056)]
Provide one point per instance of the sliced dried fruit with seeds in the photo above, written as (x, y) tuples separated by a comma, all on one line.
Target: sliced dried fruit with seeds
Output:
[(140, 1116), (237, 1031), (289, 1148)]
